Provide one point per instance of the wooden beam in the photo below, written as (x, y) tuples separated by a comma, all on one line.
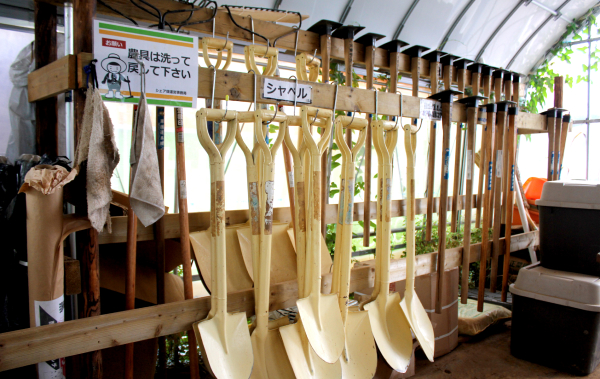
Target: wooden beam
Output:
[(201, 220), (52, 79), (46, 112), (29, 346)]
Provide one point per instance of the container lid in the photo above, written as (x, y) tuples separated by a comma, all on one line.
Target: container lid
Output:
[(558, 287), (570, 194)]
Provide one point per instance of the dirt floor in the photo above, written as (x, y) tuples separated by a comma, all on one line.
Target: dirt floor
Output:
[(485, 356)]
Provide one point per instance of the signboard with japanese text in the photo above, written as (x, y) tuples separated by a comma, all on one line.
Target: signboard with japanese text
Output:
[(430, 110), (170, 62), (284, 91)]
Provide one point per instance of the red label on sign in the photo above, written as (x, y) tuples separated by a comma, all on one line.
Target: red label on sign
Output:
[(108, 42)]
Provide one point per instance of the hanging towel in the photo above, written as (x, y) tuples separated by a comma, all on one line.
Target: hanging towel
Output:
[(97, 145), (146, 195)]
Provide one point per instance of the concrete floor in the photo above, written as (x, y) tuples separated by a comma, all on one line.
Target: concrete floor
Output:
[(485, 356)]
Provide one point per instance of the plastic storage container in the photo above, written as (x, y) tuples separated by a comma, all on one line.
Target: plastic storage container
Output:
[(569, 232), (556, 319)]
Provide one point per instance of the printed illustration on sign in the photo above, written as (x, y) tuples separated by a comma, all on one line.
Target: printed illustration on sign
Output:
[(48, 313), (169, 63)]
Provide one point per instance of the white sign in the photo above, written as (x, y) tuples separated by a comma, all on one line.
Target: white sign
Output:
[(170, 61), (430, 110), (285, 91), (47, 313)]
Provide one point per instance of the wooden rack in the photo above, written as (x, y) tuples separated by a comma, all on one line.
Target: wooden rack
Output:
[(91, 334)]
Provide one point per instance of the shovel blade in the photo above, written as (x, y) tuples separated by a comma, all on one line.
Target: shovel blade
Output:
[(270, 358), (360, 347), (420, 324), (323, 325), (314, 367), (391, 331), (232, 358)]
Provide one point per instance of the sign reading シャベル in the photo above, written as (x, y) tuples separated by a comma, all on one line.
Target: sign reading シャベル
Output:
[(170, 63)]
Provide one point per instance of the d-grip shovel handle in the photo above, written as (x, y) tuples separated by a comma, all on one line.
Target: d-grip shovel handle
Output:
[(271, 53), (343, 241), (384, 143), (314, 176), (217, 201), (219, 45), (410, 144)]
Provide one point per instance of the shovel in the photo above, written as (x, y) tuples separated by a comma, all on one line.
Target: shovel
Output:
[(225, 340), (320, 314), (411, 305), (270, 360), (305, 362), (388, 322), (359, 358)]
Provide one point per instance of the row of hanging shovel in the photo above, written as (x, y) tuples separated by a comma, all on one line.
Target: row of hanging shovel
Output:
[(329, 338)]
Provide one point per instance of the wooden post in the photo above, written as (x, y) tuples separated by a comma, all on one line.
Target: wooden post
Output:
[(559, 83), (84, 12), (563, 141), (498, 82), (486, 72), (511, 149), (159, 235), (46, 116), (551, 115), (475, 70)]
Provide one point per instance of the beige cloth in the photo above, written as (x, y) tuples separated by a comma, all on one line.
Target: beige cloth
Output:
[(97, 145), (145, 195)]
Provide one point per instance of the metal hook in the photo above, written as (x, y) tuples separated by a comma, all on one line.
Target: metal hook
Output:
[(214, 84), (275, 115), (376, 103), (315, 119), (313, 57), (399, 113), (226, 40), (335, 97), (252, 71), (351, 121), (296, 43), (295, 92), (226, 108)]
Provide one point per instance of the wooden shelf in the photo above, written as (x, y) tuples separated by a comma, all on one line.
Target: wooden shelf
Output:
[(58, 77)]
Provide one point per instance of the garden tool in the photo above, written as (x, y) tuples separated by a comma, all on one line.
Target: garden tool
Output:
[(472, 104), (501, 148), (475, 70), (489, 159), (321, 317), (270, 360), (368, 41), (184, 227), (512, 143), (389, 324), (411, 305), (219, 45), (304, 61), (563, 141), (225, 341), (268, 52), (359, 358), (446, 98), (305, 362), (434, 77)]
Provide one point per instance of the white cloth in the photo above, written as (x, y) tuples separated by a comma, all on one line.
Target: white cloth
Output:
[(145, 195), (98, 146)]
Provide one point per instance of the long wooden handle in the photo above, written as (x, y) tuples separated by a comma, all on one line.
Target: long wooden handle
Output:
[(487, 206), (551, 124), (457, 179), (557, 144), (369, 61), (441, 262), (563, 142), (184, 225), (471, 125), (512, 139), (497, 220), (434, 78)]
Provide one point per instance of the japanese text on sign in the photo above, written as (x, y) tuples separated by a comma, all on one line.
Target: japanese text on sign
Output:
[(170, 65), (286, 91), (430, 110)]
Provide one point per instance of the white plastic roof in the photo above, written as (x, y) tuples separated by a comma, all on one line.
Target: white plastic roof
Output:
[(431, 20)]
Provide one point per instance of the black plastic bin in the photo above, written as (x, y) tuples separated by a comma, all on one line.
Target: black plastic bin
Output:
[(556, 319), (570, 226)]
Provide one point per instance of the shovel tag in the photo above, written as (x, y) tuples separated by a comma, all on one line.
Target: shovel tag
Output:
[(447, 164), (469, 163), (269, 189), (499, 164), (182, 189), (254, 207), (430, 110), (341, 203), (350, 209), (490, 177), (291, 178), (552, 163), (512, 179)]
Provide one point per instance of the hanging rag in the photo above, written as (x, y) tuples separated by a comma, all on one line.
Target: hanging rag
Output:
[(97, 145), (145, 194)]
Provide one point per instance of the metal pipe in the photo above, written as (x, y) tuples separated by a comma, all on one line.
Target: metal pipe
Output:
[(346, 11), (404, 19), (589, 80), (553, 12), (491, 37), (460, 16)]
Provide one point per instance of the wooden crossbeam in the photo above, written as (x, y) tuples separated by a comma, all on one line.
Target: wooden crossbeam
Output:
[(201, 220), (44, 343)]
